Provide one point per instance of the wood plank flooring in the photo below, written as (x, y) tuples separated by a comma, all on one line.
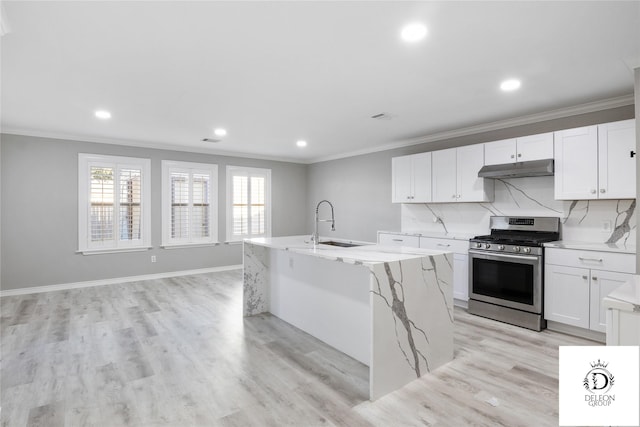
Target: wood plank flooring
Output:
[(177, 352)]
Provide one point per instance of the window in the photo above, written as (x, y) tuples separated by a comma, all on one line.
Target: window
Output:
[(248, 203), (189, 203), (113, 203)]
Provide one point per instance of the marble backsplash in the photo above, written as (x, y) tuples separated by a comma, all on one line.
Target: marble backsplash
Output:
[(602, 221)]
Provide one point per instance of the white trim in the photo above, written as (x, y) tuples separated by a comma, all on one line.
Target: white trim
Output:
[(156, 145), (190, 245), (85, 162), (114, 281), (113, 251), (590, 107)]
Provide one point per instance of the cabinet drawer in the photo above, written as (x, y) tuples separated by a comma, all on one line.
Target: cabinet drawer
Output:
[(455, 246), (389, 239), (623, 263)]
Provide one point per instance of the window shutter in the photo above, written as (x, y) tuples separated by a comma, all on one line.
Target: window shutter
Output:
[(113, 203), (188, 199), (102, 206), (248, 208)]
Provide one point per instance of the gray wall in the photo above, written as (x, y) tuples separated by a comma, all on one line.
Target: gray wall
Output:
[(360, 186), (39, 213), (39, 209)]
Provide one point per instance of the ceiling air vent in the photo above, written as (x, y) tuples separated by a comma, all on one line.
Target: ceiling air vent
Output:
[(210, 140), (382, 116)]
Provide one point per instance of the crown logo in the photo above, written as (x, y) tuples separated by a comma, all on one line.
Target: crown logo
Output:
[(599, 364)]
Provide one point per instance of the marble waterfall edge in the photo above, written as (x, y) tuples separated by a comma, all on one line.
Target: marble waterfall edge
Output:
[(409, 294), (256, 279), (413, 324)]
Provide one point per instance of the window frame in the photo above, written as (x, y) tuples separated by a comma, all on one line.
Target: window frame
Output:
[(85, 162), (232, 171), (168, 166)]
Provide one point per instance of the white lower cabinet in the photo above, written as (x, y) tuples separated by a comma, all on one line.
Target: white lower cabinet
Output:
[(576, 282), (566, 295), (602, 284), (461, 277), (460, 249), (393, 239)]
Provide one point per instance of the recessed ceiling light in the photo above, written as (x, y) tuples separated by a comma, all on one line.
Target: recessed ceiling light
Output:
[(301, 143), (103, 114), (220, 132), (413, 32), (509, 85)]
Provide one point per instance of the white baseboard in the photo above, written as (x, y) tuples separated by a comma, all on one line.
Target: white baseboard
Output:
[(102, 282)]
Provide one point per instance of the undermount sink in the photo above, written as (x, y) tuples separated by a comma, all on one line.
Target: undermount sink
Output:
[(340, 244)]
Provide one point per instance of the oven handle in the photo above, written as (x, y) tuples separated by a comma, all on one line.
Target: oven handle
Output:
[(502, 255)]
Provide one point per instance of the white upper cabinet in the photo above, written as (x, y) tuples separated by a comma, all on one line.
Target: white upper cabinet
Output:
[(617, 169), (500, 152), (411, 178), (534, 147), (444, 175), (401, 179), (455, 175), (594, 162), (576, 163)]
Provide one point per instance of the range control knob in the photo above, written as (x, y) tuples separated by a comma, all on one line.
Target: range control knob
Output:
[(516, 248), (487, 246), (478, 245), (527, 250), (501, 247)]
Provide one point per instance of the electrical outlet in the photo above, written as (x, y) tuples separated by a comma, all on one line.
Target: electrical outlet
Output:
[(606, 226), (153, 258)]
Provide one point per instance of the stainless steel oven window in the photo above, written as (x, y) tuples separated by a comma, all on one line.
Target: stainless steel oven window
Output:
[(505, 279)]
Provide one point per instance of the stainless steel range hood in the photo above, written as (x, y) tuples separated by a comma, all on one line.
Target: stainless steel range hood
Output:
[(517, 170)]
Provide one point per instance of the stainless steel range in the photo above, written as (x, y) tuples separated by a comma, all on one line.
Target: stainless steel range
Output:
[(506, 270)]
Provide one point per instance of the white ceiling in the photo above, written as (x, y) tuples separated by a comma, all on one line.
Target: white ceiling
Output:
[(275, 72)]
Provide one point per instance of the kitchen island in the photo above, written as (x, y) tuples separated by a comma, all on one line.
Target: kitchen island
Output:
[(391, 308)]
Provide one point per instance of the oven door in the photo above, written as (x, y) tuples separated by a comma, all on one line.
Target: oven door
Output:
[(509, 280)]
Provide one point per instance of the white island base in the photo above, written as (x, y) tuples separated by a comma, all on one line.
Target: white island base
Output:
[(389, 308)]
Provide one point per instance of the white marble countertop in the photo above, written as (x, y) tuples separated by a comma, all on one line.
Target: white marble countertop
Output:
[(433, 234), (592, 246), (625, 297), (368, 253)]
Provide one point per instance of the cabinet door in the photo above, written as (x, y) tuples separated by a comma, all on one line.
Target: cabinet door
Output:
[(500, 152), (602, 284), (461, 277), (576, 163), (470, 160), (421, 171), (535, 147), (566, 295), (401, 179), (444, 175), (617, 169), (390, 239)]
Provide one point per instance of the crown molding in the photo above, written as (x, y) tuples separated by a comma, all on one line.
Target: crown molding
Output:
[(590, 107), (145, 144)]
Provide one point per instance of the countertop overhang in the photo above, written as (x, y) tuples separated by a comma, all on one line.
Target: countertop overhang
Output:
[(367, 254)]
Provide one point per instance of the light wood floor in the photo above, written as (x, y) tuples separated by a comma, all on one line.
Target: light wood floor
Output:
[(177, 352)]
